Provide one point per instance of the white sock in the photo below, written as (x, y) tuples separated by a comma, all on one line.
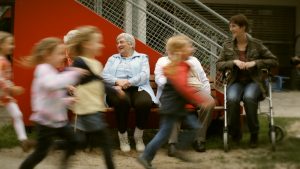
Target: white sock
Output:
[(17, 116)]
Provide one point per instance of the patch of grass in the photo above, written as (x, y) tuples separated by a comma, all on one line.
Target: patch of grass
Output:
[(287, 154), (8, 137), (287, 151)]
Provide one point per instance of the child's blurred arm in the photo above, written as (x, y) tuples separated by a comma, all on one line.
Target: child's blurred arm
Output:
[(68, 101), (53, 80), (16, 90), (70, 90), (179, 80), (8, 87)]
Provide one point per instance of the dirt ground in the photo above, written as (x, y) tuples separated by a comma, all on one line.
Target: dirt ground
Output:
[(212, 159), (11, 158)]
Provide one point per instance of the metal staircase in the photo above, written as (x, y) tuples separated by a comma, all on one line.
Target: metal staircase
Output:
[(153, 21)]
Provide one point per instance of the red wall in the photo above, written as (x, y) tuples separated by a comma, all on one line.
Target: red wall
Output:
[(37, 19)]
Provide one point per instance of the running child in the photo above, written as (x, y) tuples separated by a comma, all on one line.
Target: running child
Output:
[(175, 95), (49, 101), (8, 90)]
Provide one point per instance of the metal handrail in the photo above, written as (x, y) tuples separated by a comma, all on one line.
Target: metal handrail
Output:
[(3, 10), (185, 24), (211, 11), (179, 5), (196, 43)]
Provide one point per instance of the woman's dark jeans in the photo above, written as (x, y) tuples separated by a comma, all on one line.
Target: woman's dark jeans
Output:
[(250, 94)]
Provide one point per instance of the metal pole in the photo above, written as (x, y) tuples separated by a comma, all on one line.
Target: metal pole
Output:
[(212, 11)]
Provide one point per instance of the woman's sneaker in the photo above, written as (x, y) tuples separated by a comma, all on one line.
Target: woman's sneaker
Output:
[(124, 142)]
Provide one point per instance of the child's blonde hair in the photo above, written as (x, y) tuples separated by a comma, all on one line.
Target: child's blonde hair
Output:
[(83, 34), (41, 49), (174, 47), (175, 44), (4, 36)]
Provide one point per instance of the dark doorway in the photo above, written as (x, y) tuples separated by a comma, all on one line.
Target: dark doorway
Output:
[(7, 15)]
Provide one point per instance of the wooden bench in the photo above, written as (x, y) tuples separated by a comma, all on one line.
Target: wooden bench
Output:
[(153, 119)]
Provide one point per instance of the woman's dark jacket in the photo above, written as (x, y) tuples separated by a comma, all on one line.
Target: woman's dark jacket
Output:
[(255, 51)]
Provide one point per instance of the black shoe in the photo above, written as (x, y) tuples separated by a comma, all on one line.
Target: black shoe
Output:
[(253, 140), (199, 146), (171, 150), (237, 137), (144, 162)]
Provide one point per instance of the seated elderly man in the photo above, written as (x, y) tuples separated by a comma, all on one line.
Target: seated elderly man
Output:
[(129, 70)]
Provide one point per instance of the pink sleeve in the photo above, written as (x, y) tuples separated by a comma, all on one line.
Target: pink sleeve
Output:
[(51, 79)]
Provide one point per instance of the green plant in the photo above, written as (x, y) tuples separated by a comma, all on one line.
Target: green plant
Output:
[(8, 137)]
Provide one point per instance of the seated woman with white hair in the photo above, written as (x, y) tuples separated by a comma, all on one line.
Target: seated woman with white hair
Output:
[(129, 70)]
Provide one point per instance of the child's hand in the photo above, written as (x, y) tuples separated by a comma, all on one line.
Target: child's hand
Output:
[(70, 100), (169, 70), (16, 90), (71, 89)]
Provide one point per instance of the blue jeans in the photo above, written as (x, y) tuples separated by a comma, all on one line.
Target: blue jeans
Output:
[(250, 94), (166, 126)]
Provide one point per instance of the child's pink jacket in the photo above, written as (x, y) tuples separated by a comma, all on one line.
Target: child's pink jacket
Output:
[(48, 95)]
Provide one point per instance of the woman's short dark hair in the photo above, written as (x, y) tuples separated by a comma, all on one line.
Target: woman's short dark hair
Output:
[(240, 20)]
